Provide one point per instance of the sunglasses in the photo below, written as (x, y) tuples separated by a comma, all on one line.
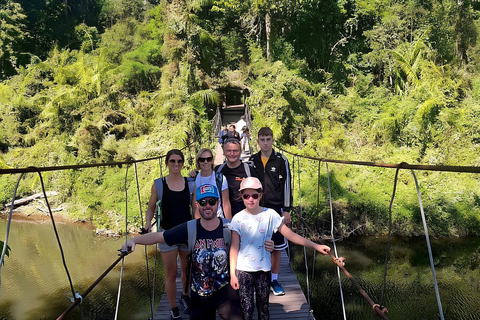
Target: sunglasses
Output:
[(204, 202), (247, 196), (207, 159), (176, 161)]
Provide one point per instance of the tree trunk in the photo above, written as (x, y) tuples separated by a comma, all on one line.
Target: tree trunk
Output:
[(267, 31)]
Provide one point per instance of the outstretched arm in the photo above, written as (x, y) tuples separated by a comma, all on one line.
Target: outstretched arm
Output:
[(146, 239), (298, 239)]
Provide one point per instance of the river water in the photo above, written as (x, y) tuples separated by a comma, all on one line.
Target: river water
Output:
[(409, 288), (35, 285)]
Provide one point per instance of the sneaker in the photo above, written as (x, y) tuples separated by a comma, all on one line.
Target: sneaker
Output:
[(184, 301), (276, 288), (175, 314)]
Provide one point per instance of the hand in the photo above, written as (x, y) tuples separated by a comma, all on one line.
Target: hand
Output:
[(148, 226), (323, 249), (234, 282), (287, 219), (192, 174), (128, 246), (268, 244)]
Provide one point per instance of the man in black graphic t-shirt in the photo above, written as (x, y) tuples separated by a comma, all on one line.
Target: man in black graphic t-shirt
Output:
[(210, 288)]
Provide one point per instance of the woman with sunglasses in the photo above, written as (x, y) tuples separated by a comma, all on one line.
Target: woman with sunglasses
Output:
[(206, 175), (175, 209), (250, 263)]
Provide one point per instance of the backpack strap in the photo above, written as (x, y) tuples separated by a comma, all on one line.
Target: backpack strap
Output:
[(219, 169), (227, 234), (192, 234), (158, 205), (247, 168), (159, 186), (219, 182), (191, 187)]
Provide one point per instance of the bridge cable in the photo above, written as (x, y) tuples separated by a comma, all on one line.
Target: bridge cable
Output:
[(387, 249), (304, 248), (145, 247), (318, 206), (7, 234), (333, 240), (122, 254), (429, 248), (56, 234), (157, 220), (126, 239)]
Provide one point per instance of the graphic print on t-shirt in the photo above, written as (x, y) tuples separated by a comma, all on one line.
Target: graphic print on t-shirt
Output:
[(210, 263)]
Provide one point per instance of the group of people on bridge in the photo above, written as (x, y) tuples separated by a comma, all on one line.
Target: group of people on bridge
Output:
[(238, 131), (228, 224)]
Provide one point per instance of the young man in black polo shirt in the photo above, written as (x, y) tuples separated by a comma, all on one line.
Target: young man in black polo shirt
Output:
[(274, 173)]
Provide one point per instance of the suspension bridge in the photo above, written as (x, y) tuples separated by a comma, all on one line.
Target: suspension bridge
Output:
[(294, 305)]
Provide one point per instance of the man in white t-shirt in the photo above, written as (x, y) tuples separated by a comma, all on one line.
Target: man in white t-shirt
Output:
[(240, 124)]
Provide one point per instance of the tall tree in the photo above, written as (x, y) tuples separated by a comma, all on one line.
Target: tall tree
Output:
[(12, 36)]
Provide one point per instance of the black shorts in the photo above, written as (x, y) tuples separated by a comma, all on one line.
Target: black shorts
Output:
[(279, 240)]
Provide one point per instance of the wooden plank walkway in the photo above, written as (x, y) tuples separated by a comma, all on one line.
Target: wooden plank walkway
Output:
[(293, 305)]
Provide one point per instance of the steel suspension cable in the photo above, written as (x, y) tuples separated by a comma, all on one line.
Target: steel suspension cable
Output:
[(387, 249), (156, 246), (57, 236), (7, 233), (122, 254), (318, 207), (301, 216), (145, 247), (126, 239), (333, 240), (430, 255)]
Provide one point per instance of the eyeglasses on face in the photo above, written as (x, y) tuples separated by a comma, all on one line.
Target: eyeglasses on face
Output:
[(211, 202), (173, 161), (247, 196), (206, 159)]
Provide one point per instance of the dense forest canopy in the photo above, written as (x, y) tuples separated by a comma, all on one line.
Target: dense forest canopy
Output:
[(378, 80)]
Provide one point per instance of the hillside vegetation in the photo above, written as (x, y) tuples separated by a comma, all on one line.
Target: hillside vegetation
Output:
[(383, 81)]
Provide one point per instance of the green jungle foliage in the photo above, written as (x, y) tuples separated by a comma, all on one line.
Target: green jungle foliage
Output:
[(382, 81)]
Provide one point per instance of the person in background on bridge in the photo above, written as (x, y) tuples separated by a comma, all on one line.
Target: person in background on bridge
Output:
[(235, 171), (240, 124), (245, 139), (209, 273), (231, 133), (206, 175), (277, 194), (250, 263), (222, 133), (173, 194)]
